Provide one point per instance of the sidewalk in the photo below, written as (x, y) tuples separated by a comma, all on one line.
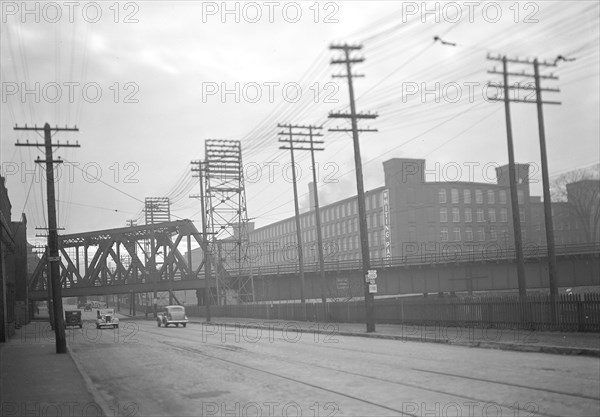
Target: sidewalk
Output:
[(36, 381), (563, 343)]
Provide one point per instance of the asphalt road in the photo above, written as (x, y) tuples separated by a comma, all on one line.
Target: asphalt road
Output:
[(205, 370)]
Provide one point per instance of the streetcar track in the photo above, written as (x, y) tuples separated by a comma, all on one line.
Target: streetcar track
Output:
[(404, 384), (197, 352), (510, 385)]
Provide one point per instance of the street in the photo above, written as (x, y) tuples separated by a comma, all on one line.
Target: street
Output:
[(211, 370)]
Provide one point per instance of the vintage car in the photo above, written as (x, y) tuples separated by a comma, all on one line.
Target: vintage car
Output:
[(73, 319), (172, 315), (106, 318)]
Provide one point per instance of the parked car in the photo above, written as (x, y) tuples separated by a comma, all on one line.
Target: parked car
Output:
[(172, 315), (106, 318), (73, 319)]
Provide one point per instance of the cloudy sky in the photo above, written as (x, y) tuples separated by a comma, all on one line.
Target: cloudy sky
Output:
[(148, 82)]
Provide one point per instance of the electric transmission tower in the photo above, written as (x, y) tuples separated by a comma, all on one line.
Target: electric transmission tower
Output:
[(227, 219)]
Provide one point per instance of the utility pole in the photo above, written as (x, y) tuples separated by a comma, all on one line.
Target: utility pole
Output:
[(290, 141), (313, 131), (205, 250), (362, 215), (53, 258), (552, 269), (513, 192)]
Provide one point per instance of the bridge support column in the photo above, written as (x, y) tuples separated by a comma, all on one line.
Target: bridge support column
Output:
[(133, 303)]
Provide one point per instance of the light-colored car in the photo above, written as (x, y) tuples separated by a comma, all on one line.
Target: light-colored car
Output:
[(172, 315), (106, 318)]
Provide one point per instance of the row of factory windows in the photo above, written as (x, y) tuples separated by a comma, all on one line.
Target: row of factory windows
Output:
[(374, 219), (328, 214), (491, 196), (471, 235), (480, 215), (285, 250)]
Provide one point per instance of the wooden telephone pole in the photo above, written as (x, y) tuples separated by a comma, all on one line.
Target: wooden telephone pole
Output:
[(290, 146), (53, 258), (309, 145), (362, 213), (552, 269), (207, 264)]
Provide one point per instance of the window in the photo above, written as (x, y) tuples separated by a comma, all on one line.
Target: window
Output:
[(502, 195), (443, 215), (492, 215), (481, 234), (454, 196), (478, 197), (490, 196), (469, 234), (444, 234), (520, 196), (493, 234), (503, 215), (467, 196), (522, 215), (442, 196), (455, 215), (412, 234), (480, 215), (457, 234), (468, 215)]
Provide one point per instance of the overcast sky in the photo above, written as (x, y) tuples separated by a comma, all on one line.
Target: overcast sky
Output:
[(162, 67)]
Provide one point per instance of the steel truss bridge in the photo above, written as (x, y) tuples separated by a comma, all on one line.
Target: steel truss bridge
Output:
[(124, 260)]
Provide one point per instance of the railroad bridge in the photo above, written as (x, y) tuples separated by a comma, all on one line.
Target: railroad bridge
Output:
[(149, 258)]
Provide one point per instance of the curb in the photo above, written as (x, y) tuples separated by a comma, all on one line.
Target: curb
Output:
[(557, 350), (91, 388)]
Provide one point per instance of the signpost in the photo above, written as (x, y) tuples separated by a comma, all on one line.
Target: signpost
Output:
[(370, 278)]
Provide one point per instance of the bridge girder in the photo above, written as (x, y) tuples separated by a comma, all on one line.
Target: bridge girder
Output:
[(160, 267)]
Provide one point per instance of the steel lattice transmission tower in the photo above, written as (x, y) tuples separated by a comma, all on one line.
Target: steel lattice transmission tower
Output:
[(227, 219)]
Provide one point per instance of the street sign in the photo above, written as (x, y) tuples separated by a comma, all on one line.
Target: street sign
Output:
[(54, 258), (371, 275), (342, 283), (372, 288)]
